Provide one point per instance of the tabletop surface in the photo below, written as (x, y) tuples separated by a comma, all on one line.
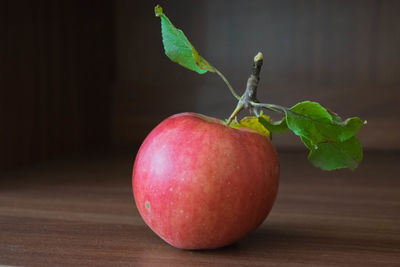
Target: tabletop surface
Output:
[(82, 213)]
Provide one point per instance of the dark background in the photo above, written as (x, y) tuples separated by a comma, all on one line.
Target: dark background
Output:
[(91, 77)]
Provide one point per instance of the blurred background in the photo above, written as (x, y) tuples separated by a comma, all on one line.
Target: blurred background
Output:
[(90, 77)]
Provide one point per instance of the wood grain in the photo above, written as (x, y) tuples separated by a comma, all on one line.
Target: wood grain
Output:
[(81, 212)]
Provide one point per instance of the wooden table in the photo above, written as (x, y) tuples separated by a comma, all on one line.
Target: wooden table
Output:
[(81, 213)]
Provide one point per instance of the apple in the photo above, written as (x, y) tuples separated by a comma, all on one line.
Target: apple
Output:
[(200, 184)]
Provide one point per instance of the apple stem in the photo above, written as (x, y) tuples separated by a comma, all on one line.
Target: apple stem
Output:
[(273, 107), (227, 84), (234, 113), (249, 98), (250, 95)]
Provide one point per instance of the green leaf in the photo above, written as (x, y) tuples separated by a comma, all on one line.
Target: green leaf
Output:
[(331, 141), (274, 126), (312, 121), (253, 123), (335, 155), (178, 48), (306, 142)]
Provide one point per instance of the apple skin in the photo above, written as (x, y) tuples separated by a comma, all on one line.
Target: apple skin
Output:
[(199, 184)]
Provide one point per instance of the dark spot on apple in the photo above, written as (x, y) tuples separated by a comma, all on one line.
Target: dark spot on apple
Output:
[(147, 205)]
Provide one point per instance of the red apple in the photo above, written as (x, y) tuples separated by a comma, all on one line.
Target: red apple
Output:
[(200, 184)]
